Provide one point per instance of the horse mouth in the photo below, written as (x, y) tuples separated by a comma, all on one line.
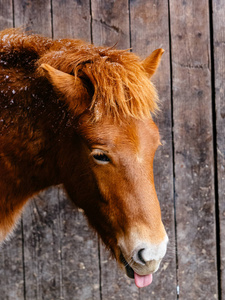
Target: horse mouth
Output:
[(140, 280), (129, 270)]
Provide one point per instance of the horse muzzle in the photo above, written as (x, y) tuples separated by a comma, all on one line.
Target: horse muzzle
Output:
[(143, 261)]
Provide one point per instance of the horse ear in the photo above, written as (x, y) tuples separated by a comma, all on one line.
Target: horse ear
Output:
[(70, 87), (150, 64)]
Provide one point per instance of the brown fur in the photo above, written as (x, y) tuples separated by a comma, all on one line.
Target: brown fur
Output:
[(60, 101)]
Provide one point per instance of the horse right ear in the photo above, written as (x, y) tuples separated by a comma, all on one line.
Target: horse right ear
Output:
[(69, 86), (150, 63)]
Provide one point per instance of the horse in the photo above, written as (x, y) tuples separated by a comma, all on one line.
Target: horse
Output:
[(76, 114)]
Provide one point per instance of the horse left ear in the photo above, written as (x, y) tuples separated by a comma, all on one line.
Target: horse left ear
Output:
[(71, 87), (150, 64)]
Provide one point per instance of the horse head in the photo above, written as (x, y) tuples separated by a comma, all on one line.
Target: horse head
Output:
[(110, 171)]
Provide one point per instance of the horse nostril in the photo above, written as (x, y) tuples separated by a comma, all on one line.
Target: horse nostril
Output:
[(139, 254)]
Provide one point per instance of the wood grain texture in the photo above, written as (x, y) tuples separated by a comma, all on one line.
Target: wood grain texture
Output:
[(72, 19), (40, 219), (194, 165), (110, 23), (11, 253), (54, 255), (33, 16), (11, 268), (149, 31), (79, 246), (79, 254), (6, 14), (115, 284), (219, 65), (42, 247)]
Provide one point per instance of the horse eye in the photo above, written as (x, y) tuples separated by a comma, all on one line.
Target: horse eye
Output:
[(101, 158)]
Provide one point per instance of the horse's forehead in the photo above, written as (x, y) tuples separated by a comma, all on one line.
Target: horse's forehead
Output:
[(134, 135), (148, 133), (140, 134)]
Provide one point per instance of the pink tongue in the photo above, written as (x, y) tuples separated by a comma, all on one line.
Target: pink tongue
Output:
[(142, 281)]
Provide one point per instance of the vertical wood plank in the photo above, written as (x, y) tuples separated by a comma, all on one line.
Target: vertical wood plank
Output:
[(42, 258), (33, 16), (42, 247), (79, 246), (11, 268), (71, 19), (11, 253), (110, 25), (6, 14), (149, 31), (61, 255), (219, 68), (194, 171), (79, 254)]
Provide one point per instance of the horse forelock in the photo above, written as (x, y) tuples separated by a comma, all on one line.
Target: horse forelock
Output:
[(120, 85)]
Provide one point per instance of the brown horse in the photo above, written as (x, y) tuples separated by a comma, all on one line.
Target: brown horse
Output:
[(80, 115)]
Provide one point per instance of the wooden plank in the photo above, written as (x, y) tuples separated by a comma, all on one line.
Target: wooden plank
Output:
[(79, 246), (42, 247), (149, 31), (79, 253), (33, 16), (11, 268), (110, 25), (219, 65), (74, 19), (42, 258), (53, 258), (6, 14), (61, 253), (194, 170), (11, 252)]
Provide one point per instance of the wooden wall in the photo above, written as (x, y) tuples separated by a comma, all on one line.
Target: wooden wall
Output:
[(53, 254)]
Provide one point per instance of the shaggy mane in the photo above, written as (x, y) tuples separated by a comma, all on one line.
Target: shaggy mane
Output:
[(120, 85)]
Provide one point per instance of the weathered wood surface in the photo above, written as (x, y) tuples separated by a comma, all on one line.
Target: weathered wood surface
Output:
[(149, 31), (6, 14), (42, 247), (110, 23), (79, 246), (61, 255), (193, 145), (41, 242), (219, 66), (12, 268), (11, 254), (109, 28), (54, 255), (33, 16), (71, 19)]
